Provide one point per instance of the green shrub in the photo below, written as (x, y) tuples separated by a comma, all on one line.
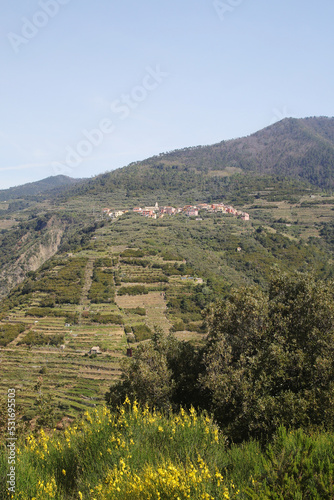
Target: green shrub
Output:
[(103, 262), (130, 252), (48, 302), (138, 310), (72, 318), (296, 465), (37, 339), (142, 332), (42, 312), (158, 278), (117, 278), (102, 289), (64, 284), (170, 256), (8, 332), (178, 326), (124, 454), (107, 318), (136, 262), (132, 290), (195, 327)]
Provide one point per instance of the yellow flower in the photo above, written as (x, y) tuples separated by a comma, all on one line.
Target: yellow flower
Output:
[(226, 494), (80, 495), (64, 472)]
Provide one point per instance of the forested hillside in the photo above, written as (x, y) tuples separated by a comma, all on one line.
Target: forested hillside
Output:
[(302, 149)]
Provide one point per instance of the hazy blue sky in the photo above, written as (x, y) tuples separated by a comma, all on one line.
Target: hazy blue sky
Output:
[(88, 86)]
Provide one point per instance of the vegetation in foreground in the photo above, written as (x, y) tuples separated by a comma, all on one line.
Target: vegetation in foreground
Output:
[(268, 360), (134, 453)]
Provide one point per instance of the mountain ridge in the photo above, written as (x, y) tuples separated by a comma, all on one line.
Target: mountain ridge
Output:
[(38, 187), (301, 148), (296, 156)]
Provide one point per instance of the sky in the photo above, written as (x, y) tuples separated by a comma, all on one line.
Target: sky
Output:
[(89, 86)]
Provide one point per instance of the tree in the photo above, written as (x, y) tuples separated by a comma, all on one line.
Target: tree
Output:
[(146, 377), (269, 358), (46, 410), (236, 329), (162, 373)]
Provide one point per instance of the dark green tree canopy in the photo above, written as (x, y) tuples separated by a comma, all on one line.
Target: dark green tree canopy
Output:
[(270, 358)]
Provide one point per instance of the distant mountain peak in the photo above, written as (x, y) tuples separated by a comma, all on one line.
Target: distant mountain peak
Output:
[(36, 188)]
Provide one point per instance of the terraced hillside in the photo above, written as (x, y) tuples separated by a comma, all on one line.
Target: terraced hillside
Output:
[(112, 283), (75, 302)]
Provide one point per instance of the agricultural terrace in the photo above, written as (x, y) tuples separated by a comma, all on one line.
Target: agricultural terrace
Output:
[(77, 302)]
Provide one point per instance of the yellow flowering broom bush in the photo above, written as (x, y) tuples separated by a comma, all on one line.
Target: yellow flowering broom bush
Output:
[(131, 453), (134, 453)]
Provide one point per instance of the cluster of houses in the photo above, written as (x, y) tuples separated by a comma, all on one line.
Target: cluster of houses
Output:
[(155, 211)]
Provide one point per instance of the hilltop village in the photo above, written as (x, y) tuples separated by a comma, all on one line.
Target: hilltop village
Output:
[(156, 212)]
